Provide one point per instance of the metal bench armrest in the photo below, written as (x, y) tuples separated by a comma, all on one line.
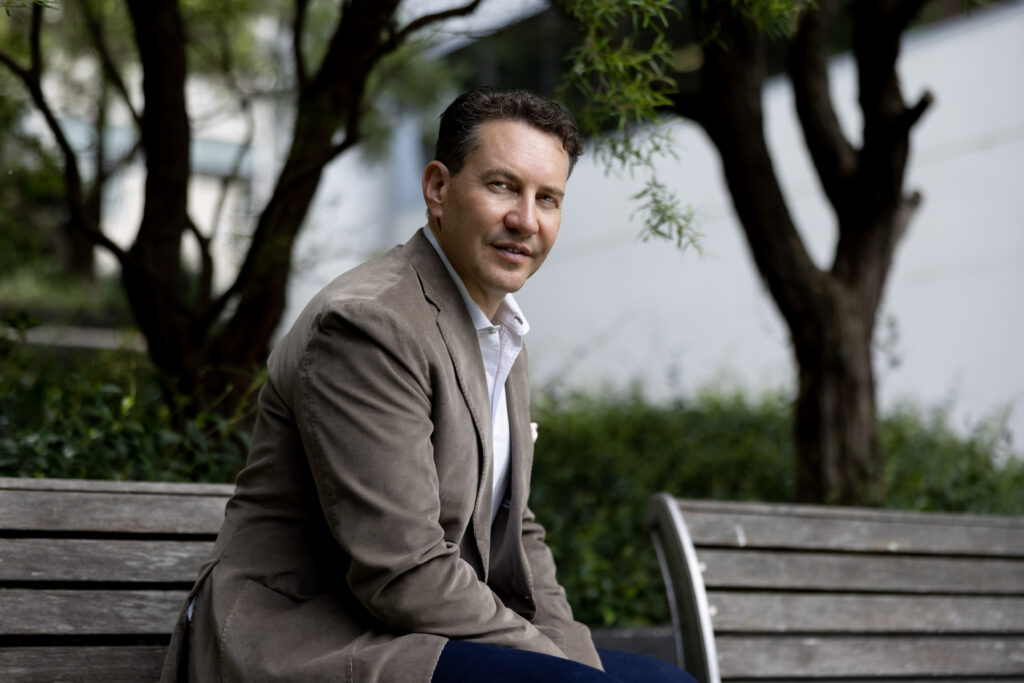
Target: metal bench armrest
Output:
[(684, 583)]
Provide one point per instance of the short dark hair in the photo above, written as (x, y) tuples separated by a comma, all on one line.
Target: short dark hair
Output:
[(458, 134)]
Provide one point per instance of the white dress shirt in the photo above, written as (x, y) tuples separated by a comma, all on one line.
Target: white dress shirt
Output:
[(500, 343)]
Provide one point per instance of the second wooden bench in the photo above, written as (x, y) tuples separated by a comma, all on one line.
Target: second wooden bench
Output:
[(798, 593)]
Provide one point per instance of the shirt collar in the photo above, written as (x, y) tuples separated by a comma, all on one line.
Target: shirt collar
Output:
[(509, 314)]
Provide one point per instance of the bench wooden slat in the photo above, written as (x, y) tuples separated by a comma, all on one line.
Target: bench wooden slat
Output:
[(107, 512), (81, 612), (72, 559), (115, 486), (110, 664), (828, 613), (871, 573), (834, 528), (842, 512), (742, 657)]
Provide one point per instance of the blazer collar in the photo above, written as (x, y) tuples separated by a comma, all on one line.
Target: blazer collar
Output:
[(460, 337)]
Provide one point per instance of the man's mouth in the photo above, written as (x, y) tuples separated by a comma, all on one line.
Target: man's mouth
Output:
[(512, 249)]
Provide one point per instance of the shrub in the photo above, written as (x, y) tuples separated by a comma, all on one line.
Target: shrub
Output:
[(930, 467), (598, 460), (104, 416)]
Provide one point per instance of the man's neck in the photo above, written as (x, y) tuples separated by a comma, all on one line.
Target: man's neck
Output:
[(476, 312)]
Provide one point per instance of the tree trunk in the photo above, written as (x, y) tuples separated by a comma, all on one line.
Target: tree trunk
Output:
[(212, 348), (215, 355), (328, 103), (836, 428), (79, 258), (830, 314), (152, 273)]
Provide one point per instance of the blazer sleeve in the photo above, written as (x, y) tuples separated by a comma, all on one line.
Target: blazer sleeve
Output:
[(364, 411), (554, 615)]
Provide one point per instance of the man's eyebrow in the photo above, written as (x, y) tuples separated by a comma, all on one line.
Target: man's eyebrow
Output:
[(505, 173)]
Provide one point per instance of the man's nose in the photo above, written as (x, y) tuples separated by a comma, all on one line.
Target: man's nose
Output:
[(523, 216)]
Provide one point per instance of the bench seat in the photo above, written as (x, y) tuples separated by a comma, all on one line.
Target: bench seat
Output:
[(93, 574), (764, 592)]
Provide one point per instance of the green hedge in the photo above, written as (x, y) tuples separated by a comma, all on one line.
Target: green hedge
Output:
[(91, 415), (598, 459)]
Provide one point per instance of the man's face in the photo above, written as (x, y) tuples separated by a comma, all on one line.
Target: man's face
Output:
[(497, 219)]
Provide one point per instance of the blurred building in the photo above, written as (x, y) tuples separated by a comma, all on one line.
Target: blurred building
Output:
[(608, 310)]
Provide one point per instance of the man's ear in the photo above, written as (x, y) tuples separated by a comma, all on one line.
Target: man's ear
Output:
[(435, 187)]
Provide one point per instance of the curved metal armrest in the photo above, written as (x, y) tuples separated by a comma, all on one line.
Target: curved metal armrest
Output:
[(684, 582)]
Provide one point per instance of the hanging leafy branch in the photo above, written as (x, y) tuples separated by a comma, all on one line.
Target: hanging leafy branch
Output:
[(622, 70)]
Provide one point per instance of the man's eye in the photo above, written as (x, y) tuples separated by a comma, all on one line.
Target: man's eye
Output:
[(499, 184), (548, 199)]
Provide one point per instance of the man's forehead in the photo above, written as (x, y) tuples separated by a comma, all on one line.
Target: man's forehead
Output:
[(520, 140)]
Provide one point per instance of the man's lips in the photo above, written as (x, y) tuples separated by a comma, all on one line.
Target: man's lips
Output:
[(513, 249)]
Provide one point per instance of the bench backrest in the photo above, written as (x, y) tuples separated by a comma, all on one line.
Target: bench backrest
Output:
[(790, 592), (93, 574)]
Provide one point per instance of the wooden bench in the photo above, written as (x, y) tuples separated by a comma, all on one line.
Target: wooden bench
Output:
[(793, 593), (92, 574)]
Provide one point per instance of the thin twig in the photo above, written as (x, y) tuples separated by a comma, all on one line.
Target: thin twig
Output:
[(428, 19), (100, 43)]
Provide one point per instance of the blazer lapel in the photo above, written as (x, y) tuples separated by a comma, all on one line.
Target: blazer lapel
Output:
[(460, 338), (517, 392), (510, 571)]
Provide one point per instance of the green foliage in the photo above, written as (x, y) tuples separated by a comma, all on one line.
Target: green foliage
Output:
[(929, 467), (622, 71), (774, 18), (665, 219), (31, 187), (71, 415), (598, 460), (622, 82), (51, 293)]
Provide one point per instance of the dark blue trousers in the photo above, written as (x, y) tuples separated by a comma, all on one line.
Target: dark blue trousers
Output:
[(468, 662)]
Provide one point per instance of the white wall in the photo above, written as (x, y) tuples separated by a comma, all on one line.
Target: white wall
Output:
[(608, 309)]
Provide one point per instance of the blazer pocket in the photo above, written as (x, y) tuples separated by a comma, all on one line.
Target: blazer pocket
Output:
[(250, 641)]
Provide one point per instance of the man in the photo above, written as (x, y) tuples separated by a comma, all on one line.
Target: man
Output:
[(380, 531)]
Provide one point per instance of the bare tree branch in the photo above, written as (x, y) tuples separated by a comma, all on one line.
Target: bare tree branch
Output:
[(109, 170), (36, 59), (124, 159), (217, 306), (342, 146), (298, 28), (834, 157), (206, 265), (74, 195), (428, 19), (99, 41), (233, 175), (914, 114)]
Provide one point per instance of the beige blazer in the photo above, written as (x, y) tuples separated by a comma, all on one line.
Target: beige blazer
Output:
[(359, 540)]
